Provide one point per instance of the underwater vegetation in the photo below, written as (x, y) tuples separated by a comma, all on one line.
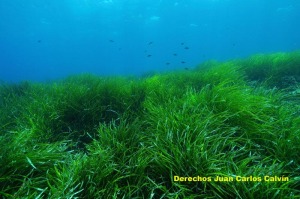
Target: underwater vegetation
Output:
[(232, 127)]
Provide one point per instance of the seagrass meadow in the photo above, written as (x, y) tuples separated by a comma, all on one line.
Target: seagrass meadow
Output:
[(142, 137)]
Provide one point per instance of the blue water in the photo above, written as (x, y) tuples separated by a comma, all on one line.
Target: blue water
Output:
[(41, 40)]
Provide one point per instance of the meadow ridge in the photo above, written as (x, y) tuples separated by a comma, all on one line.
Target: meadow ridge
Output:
[(89, 136)]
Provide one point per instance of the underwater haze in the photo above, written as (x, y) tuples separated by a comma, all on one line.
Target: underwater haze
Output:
[(46, 40)]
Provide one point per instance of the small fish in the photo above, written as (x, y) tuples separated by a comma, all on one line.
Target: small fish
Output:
[(150, 43), (111, 41), (186, 48), (39, 41), (149, 55), (175, 54), (183, 62), (186, 68), (167, 63), (182, 43)]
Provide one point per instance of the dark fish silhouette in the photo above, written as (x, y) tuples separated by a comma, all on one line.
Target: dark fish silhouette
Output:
[(111, 41), (150, 43), (186, 68), (182, 43), (183, 62), (167, 63), (186, 48), (175, 54), (149, 55), (39, 41)]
